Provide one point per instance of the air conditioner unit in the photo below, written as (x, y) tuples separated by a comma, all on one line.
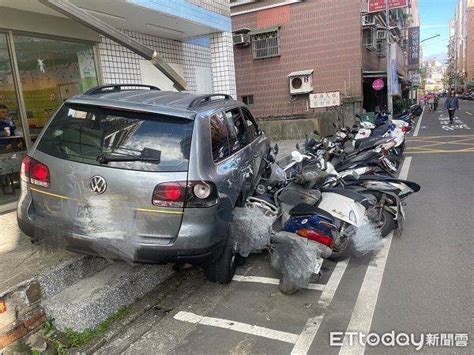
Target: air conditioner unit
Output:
[(370, 41), (368, 20), (301, 82), (381, 35), (241, 39)]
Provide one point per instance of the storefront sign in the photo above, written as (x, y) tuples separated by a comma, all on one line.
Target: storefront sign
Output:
[(325, 99), (379, 5), (414, 46), (378, 84)]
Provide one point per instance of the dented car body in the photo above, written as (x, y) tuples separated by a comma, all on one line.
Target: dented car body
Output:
[(141, 174)]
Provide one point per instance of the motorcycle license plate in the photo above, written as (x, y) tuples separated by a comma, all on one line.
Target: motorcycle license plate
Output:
[(319, 263)]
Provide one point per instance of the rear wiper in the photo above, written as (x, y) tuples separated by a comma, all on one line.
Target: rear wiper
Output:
[(146, 155)]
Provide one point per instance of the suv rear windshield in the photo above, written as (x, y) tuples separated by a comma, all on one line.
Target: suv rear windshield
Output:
[(83, 133)]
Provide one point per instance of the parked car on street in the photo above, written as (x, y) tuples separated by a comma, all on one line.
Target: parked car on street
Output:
[(146, 175)]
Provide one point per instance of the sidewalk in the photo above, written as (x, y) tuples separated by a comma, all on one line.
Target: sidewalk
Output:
[(20, 260)]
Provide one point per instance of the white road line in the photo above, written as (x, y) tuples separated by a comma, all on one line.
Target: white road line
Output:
[(470, 114), (417, 128), (363, 313), (311, 328), (272, 281), (238, 327)]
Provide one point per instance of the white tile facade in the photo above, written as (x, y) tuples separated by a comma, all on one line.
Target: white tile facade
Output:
[(218, 6), (222, 59), (119, 64)]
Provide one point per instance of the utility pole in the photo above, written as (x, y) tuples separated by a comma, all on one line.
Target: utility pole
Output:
[(389, 69)]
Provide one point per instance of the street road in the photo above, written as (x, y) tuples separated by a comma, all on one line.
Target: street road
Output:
[(420, 282)]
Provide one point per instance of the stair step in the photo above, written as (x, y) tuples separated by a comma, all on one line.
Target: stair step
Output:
[(91, 300), (62, 276)]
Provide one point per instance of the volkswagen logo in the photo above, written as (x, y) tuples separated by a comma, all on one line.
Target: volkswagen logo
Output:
[(98, 184)]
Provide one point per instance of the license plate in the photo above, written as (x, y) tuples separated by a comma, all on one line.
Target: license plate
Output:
[(319, 263)]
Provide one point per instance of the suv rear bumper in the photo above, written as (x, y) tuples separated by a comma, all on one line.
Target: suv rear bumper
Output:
[(129, 251)]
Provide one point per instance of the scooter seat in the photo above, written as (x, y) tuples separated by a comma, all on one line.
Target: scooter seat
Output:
[(304, 209)]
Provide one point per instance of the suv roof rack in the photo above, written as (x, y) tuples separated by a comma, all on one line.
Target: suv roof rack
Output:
[(117, 87), (206, 98)]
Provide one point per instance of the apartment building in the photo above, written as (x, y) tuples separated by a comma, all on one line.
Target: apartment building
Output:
[(287, 50), (461, 46)]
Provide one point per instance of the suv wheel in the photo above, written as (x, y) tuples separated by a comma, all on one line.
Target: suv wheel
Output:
[(222, 269)]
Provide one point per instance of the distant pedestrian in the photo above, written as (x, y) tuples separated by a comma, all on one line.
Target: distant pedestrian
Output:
[(436, 101), (451, 104), (431, 101)]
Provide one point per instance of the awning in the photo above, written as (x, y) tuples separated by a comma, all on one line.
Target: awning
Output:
[(377, 74), (301, 72), (264, 30)]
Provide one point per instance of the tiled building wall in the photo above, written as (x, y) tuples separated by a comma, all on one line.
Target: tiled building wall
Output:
[(121, 65), (219, 6), (321, 35), (223, 70), (470, 43)]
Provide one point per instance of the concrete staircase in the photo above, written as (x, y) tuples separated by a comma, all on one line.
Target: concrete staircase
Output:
[(92, 290), (79, 293)]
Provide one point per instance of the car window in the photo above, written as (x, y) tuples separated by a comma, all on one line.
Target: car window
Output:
[(81, 133), (219, 137), (251, 125), (238, 137)]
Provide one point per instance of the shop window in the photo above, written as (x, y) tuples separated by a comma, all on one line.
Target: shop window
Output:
[(266, 43), (52, 71), (12, 144), (248, 100)]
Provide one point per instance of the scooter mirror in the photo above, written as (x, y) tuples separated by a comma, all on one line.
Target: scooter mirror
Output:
[(316, 132), (297, 156), (357, 115)]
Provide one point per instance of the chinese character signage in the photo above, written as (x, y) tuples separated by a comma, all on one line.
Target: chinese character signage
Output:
[(414, 47), (325, 99), (379, 5)]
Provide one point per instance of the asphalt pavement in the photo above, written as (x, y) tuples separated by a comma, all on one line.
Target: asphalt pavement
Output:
[(420, 283)]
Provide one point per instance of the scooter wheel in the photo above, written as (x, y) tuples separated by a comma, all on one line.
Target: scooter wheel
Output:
[(342, 250), (388, 224)]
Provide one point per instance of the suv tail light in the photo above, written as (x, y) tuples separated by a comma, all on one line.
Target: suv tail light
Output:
[(316, 236), (34, 172), (182, 194)]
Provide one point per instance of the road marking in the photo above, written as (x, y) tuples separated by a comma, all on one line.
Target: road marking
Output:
[(238, 327), (363, 313), (470, 114), (417, 128), (272, 281), (311, 328)]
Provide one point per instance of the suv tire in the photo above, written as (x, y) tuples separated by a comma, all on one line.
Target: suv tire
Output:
[(222, 269)]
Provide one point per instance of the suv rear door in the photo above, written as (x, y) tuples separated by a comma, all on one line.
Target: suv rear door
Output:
[(241, 150), (258, 142), (70, 147)]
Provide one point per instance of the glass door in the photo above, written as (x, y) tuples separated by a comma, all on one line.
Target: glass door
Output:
[(51, 71), (12, 144)]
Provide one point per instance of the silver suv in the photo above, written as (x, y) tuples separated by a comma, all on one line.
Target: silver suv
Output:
[(144, 175)]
